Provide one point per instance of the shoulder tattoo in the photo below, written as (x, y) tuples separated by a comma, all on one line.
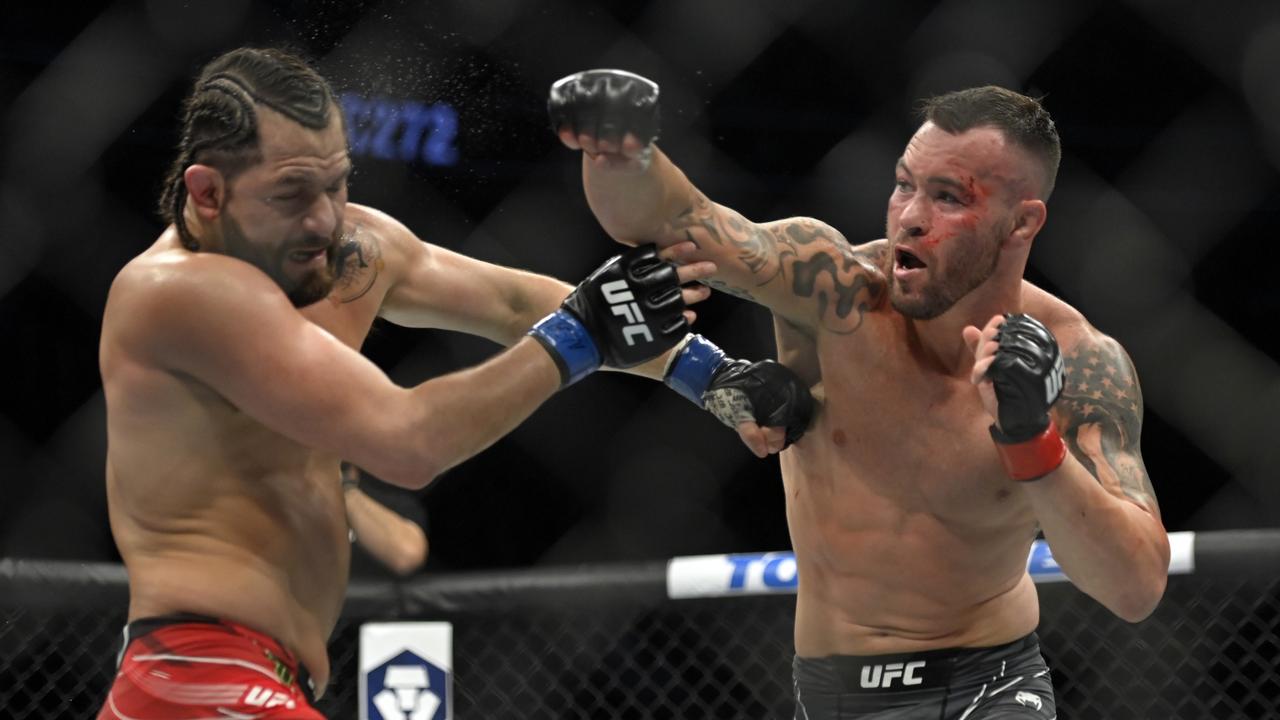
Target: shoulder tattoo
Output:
[(358, 264), (1100, 413)]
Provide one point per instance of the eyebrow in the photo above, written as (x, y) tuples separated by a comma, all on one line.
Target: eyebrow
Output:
[(935, 179)]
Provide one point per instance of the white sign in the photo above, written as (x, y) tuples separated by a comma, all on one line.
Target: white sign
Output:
[(406, 671)]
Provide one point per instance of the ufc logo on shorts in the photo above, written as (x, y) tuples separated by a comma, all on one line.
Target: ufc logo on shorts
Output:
[(882, 676), (259, 696), (622, 302)]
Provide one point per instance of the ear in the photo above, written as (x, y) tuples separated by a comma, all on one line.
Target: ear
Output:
[(1028, 218), (206, 188)]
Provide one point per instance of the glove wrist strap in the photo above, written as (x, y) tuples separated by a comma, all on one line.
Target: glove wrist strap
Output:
[(1034, 458), (692, 367), (570, 345)]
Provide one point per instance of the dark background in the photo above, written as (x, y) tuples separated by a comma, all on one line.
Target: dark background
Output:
[(1161, 229)]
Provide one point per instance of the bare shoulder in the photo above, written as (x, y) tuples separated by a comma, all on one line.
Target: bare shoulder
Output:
[(164, 293)]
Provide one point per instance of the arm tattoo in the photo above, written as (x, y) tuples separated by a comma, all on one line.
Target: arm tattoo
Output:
[(812, 259), (358, 264), (1101, 417)]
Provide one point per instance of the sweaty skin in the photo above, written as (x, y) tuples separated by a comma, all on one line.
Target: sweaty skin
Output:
[(907, 532)]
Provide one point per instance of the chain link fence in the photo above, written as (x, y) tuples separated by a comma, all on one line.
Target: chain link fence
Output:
[(565, 648)]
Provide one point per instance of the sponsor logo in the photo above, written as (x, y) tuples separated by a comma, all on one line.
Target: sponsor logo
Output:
[(622, 303), (407, 687), (768, 571), (258, 696), (1029, 700), (405, 130), (883, 676)]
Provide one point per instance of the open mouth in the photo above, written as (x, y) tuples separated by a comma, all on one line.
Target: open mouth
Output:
[(907, 260), (307, 255)]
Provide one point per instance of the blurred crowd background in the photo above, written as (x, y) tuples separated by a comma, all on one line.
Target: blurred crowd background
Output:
[(1162, 229)]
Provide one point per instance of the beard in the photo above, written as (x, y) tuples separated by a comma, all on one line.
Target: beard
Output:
[(968, 271), (311, 287)]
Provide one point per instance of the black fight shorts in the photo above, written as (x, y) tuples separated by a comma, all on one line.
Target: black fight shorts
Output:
[(994, 683)]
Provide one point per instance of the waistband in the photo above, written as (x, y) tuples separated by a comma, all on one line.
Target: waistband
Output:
[(274, 650), (896, 672)]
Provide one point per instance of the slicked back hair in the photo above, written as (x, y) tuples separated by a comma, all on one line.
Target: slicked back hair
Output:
[(1022, 120), (220, 120)]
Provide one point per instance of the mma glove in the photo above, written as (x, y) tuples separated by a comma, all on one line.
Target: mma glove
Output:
[(1027, 375), (606, 104), (626, 312), (766, 392)]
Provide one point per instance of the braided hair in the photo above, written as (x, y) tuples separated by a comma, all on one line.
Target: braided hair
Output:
[(220, 123)]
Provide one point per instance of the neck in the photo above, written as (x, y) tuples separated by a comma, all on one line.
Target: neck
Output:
[(941, 339), (199, 236)]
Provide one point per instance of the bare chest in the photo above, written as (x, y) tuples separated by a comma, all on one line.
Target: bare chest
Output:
[(914, 440)]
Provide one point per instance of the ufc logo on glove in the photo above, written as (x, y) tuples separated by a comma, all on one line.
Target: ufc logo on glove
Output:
[(622, 302)]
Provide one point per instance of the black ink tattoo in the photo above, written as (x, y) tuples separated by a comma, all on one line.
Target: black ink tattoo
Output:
[(359, 262), (1100, 411), (844, 282)]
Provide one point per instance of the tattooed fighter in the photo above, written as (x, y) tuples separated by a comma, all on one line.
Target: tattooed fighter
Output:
[(234, 387), (965, 409)]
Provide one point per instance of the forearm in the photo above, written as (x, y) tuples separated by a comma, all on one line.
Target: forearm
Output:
[(395, 541), (638, 207), (1111, 548)]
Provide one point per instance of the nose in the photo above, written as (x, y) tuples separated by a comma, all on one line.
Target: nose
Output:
[(323, 216), (914, 219)]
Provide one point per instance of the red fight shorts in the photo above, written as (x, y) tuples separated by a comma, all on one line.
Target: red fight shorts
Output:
[(189, 667)]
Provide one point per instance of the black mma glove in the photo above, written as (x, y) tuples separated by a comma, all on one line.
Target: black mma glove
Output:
[(736, 390), (606, 104), (1027, 374), (626, 312)]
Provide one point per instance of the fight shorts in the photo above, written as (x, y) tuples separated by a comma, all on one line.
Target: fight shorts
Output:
[(992, 683), (182, 667)]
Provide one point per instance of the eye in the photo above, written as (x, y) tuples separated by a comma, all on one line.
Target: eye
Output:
[(947, 197), (902, 185)]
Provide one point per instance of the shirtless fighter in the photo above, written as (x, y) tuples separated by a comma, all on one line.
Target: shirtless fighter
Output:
[(234, 388), (953, 390)]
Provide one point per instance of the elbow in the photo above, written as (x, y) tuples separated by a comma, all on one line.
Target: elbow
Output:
[(1143, 593), (1138, 604), (414, 471)]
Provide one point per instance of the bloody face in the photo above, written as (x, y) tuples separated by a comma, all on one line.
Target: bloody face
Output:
[(945, 218)]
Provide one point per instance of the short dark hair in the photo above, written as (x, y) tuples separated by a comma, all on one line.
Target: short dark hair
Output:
[(220, 123), (1022, 119)]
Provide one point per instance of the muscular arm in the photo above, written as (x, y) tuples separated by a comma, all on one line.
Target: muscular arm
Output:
[(438, 288), (1098, 509), (228, 326), (802, 269)]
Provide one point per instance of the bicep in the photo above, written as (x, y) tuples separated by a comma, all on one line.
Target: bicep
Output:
[(1100, 415), (443, 289), (801, 269)]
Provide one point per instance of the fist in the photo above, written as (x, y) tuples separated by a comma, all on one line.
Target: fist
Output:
[(1019, 369), (605, 112)]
